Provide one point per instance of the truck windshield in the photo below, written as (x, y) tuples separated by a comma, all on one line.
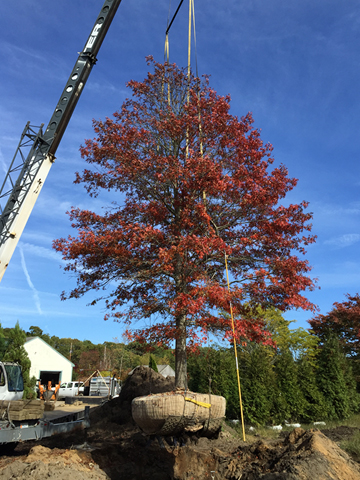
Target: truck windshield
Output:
[(15, 379)]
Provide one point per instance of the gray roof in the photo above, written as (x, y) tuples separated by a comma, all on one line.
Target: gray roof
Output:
[(164, 370)]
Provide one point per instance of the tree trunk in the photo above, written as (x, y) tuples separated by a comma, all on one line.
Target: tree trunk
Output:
[(180, 353)]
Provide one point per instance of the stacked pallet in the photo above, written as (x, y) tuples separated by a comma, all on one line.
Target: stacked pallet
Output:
[(21, 409)]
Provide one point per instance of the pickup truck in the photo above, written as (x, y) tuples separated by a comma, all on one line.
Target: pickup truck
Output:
[(71, 389)]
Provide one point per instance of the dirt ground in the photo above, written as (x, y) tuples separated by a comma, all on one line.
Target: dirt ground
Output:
[(114, 447)]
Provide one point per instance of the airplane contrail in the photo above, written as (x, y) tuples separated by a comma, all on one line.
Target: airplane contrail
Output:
[(28, 279)]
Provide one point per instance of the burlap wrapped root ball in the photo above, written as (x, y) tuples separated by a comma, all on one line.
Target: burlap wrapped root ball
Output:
[(167, 413)]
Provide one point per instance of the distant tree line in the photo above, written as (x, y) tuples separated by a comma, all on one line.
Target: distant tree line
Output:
[(305, 378), (109, 357)]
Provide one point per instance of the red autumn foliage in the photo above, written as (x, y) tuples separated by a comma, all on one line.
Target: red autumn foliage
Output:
[(192, 183), (89, 362), (344, 321)]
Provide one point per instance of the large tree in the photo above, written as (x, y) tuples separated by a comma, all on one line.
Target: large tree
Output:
[(332, 376), (344, 321), (190, 184), (298, 341)]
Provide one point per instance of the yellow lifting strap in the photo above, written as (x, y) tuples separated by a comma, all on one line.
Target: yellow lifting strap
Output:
[(201, 404)]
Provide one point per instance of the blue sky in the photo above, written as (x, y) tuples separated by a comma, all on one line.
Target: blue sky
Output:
[(294, 65)]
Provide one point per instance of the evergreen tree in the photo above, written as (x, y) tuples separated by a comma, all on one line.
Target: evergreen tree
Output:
[(16, 352), (35, 331), (152, 364), (331, 378), (258, 384), (2, 343), (196, 367), (213, 370), (292, 402), (220, 378), (351, 384), (344, 321), (315, 407)]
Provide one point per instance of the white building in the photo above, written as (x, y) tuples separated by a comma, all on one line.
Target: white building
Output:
[(47, 364)]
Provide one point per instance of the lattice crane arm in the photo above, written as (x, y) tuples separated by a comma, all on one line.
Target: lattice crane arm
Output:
[(36, 150)]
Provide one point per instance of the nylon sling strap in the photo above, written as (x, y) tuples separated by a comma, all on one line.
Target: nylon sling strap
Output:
[(201, 404)]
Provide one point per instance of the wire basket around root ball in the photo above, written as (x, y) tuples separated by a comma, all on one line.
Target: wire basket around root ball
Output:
[(173, 412)]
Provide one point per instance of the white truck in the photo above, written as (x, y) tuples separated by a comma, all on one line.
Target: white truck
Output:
[(71, 389), (11, 381)]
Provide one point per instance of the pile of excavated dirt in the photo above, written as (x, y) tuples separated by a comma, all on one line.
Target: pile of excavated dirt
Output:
[(53, 464), (130, 455), (302, 455), (114, 447), (143, 381)]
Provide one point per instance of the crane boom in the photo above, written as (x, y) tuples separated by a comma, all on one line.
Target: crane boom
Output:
[(36, 150)]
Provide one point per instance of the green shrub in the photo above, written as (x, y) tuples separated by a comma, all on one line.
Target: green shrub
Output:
[(152, 364)]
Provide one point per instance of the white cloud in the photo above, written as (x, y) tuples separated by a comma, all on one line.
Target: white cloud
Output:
[(26, 312), (107, 87), (344, 240), (42, 252), (332, 210), (17, 59)]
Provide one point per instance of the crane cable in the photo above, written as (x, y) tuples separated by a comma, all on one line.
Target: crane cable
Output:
[(235, 350), (166, 52), (192, 22), (166, 59)]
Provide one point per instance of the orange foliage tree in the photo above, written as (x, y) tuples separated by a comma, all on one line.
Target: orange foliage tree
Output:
[(344, 321), (190, 184)]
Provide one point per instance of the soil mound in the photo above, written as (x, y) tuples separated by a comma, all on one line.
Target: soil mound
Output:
[(143, 381), (302, 455), (53, 464), (129, 454), (340, 433)]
